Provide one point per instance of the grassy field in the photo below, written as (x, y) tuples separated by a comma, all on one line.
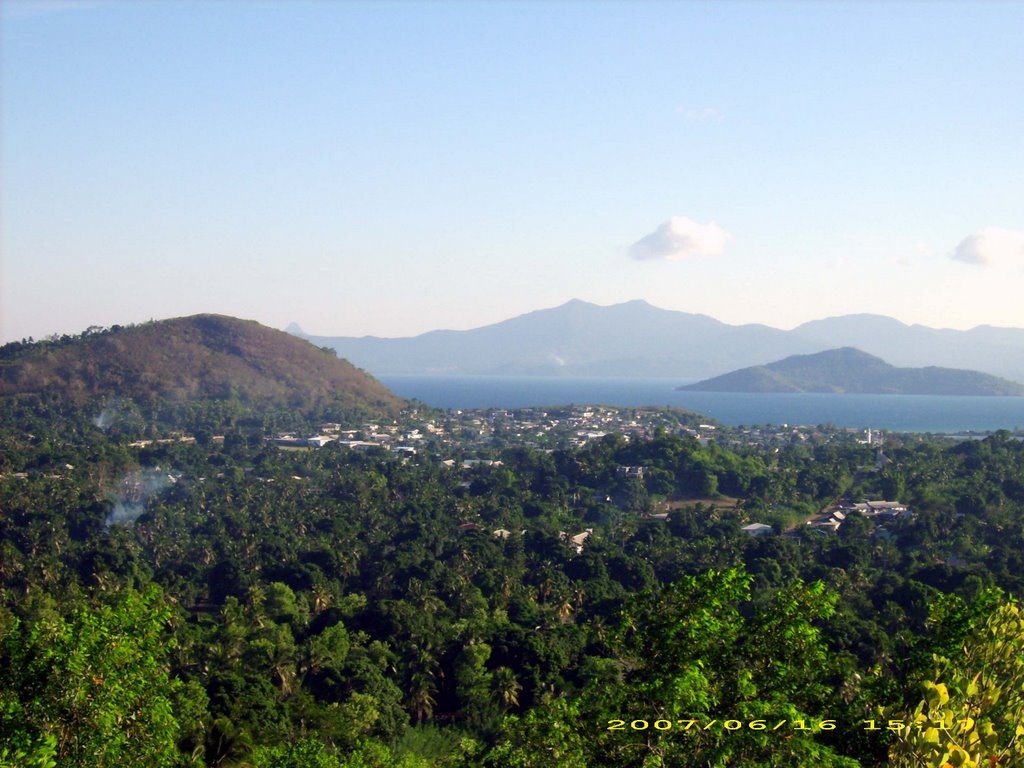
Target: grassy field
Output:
[(720, 502)]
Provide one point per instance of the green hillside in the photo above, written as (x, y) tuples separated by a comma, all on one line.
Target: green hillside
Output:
[(849, 370)]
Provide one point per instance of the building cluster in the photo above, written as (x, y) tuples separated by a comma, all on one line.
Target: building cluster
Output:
[(486, 429), (877, 511), (482, 429), (880, 512), (576, 541), (781, 435), (569, 426), (389, 437)]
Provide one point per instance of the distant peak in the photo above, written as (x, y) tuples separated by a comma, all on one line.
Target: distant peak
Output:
[(846, 351), (294, 329), (577, 303), (863, 320), (840, 353), (635, 303)]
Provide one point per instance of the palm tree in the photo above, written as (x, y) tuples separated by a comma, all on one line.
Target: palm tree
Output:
[(422, 696), (506, 688), (257, 599), (322, 598), (565, 611), (227, 746)]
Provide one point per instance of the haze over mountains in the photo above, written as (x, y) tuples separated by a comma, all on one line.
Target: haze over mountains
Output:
[(637, 339)]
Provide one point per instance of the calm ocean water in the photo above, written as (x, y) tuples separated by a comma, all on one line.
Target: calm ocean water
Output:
[(903, 413)]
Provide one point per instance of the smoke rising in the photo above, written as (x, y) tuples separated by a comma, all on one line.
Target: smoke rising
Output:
[(133, 493), (113, 412)]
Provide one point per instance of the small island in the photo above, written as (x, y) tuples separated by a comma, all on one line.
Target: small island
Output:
[(851, 371)]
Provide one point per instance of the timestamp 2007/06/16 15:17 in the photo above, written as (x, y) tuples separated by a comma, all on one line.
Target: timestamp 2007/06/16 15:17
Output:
[(769, 725)]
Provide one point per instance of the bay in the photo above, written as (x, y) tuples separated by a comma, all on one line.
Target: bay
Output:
[(902, 413)]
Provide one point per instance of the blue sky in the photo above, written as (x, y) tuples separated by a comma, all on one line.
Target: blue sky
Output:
[(391, 168)]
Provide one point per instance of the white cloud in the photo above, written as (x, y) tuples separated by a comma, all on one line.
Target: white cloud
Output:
[(680, 238), (992, 247)]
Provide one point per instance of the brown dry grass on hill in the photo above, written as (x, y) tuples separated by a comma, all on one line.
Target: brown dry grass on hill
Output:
[(202, 356)]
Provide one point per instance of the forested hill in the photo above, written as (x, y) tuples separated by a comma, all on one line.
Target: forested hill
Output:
[(849, 370), (198, 357)]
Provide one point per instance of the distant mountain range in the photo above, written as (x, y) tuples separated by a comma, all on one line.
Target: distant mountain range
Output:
[(637, 339), (849, 370), (205, 357)]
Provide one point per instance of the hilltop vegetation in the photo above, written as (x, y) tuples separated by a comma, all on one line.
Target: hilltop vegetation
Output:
[(849, 370), (203, 357)]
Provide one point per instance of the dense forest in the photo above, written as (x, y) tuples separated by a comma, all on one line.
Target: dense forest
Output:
[(224, 602)]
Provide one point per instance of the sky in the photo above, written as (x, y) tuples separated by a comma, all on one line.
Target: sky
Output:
[(393, 168)]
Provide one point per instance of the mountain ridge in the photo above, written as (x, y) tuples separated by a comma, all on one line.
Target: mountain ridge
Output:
[(635, 338)]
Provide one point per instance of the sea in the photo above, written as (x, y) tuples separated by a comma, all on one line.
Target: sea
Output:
[(899, 413)]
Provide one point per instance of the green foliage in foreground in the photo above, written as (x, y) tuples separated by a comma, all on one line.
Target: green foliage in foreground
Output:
[(696, 653), (972, 713), (91, 689)]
